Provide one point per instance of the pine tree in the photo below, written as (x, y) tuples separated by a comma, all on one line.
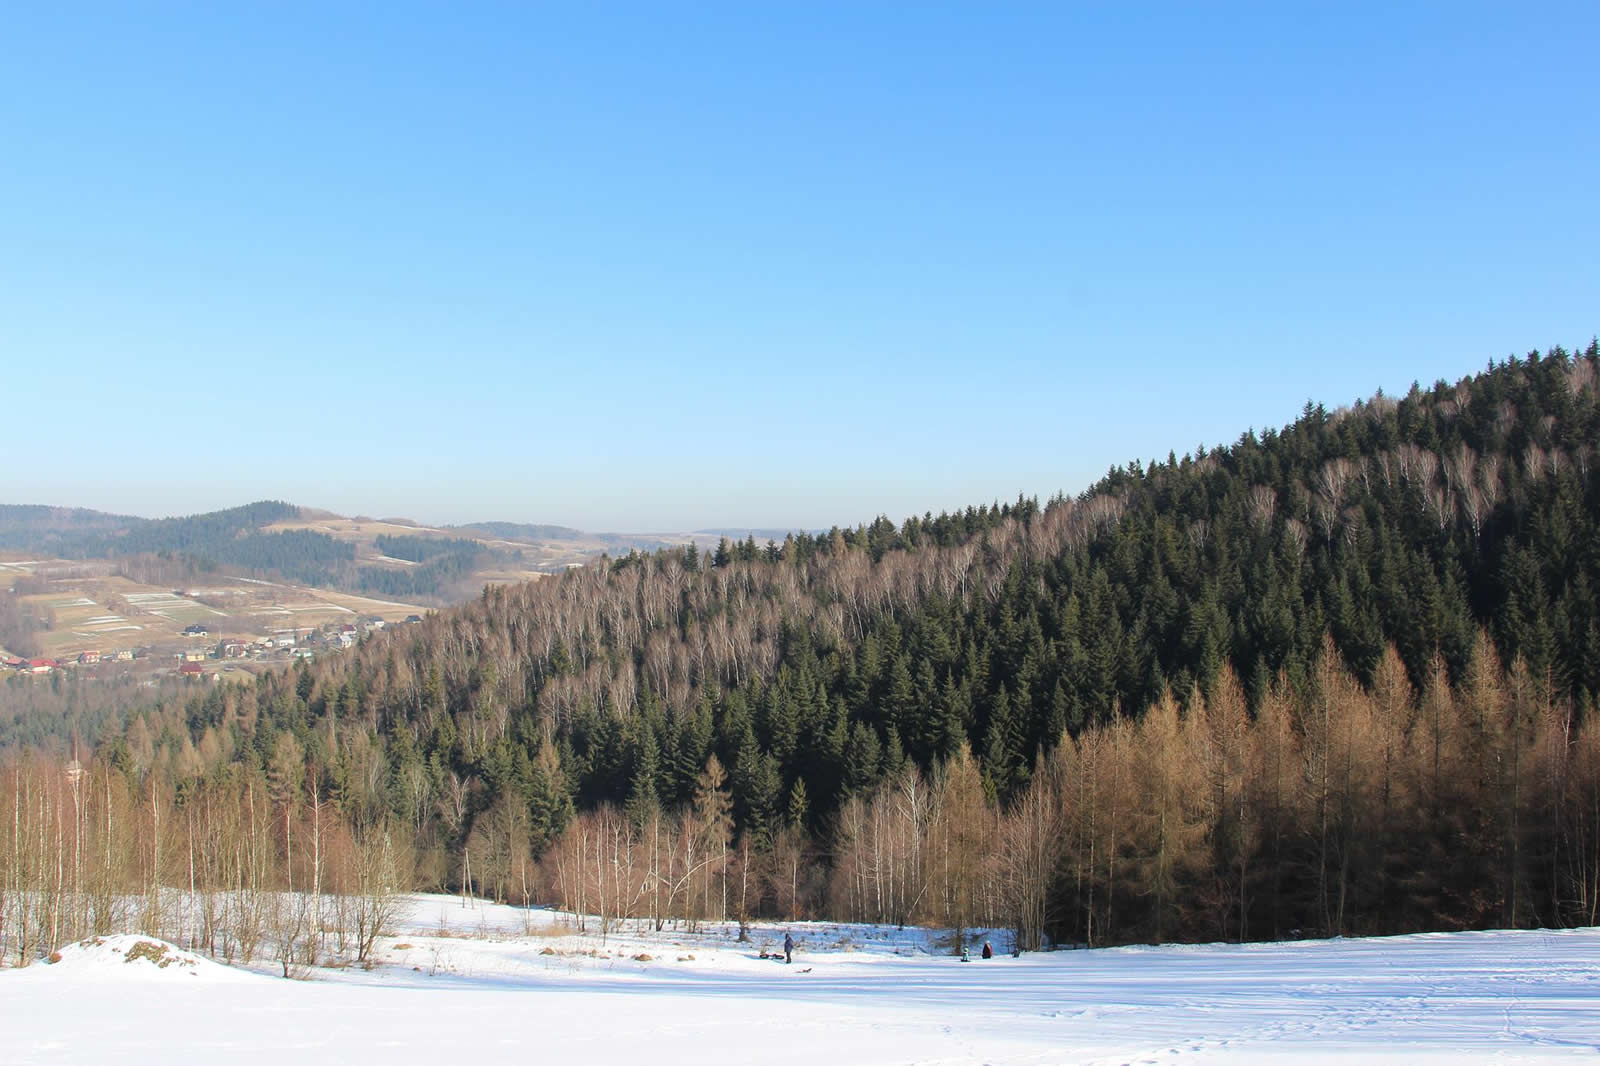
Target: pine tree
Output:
[(1001, 745), (862, 758), (644, 803), (798, 809)]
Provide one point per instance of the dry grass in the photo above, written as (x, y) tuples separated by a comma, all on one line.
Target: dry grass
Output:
[(151, 950)]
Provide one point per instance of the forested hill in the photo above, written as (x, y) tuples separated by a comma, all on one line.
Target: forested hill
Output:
[(31, 527), (236, 537), (202, 534), (816, 669), (524, 531), (76, 533)]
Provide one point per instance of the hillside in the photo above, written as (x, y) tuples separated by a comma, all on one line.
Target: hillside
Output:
[(79, 581), (307, 546), (1334, 677), (30, 527), (118, 596), (559, 538)]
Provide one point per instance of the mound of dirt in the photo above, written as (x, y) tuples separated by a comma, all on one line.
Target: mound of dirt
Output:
[(131, 955)]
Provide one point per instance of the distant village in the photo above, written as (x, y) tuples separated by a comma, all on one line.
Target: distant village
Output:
[(200, 658)]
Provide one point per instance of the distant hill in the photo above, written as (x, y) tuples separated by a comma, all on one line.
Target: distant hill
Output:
[(77, 533), (521, 531), (236, 537), (761, 535), (394, 558), (30, 527), (536, 534)]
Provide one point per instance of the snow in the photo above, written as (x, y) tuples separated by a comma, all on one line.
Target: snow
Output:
[(130, 957), (490, 984)]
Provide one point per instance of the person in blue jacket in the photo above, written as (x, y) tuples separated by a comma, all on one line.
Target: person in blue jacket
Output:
[(788, 948)]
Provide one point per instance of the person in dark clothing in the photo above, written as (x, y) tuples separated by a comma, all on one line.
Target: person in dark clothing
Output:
[(788, 948), (988, 952)]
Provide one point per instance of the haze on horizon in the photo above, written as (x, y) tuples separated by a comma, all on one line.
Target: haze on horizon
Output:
[(637, 269)]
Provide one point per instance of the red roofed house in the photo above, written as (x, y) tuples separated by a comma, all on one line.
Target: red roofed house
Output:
[(42, 666)]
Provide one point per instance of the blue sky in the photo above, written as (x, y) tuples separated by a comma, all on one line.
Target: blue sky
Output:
[(670, 266)]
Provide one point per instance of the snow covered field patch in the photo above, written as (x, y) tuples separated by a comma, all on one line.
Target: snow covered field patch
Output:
[(472, 982)]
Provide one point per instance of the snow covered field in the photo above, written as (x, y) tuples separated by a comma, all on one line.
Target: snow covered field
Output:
[(486, 984)]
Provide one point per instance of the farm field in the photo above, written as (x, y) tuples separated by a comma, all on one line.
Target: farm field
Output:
[(482, 983), (85, 605), (94, 611)]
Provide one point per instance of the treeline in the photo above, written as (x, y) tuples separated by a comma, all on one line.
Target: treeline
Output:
[(32, 527), (300, 555), (522, 531), (198, 534), (819, 669), (444, 564), (236, 865), (19, 628), (422, 549), (527, 531), (44, 714), (1336, 808)]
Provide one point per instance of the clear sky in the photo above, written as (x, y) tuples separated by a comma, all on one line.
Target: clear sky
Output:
[(682, 265)]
